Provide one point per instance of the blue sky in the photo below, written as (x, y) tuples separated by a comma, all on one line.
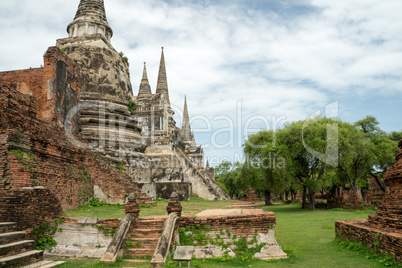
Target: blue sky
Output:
[(275, 59)]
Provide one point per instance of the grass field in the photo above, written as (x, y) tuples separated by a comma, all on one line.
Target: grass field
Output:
[(308, 234)]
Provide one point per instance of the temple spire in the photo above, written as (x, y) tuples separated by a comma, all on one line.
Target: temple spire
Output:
[(90, 19), (144, 74), (145, 88), (185, 126), (162, 79), (207, 164)]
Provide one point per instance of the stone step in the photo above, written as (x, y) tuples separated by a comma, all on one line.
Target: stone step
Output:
[(149, 222), (158, 221), (21, 259), (11, 237), (141, 251), (138, 261), (16, 247), (45, 264), (146, 245), (6, 227), (145, 239), (151, 227), (150, 233)]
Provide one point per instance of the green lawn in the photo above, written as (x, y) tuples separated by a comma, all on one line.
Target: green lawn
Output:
[(309, 234)]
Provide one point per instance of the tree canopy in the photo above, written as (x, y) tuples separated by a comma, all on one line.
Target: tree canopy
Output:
[(312, 155)]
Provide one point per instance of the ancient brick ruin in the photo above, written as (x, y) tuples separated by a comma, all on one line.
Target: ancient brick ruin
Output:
[(383, 230), (35, 151), (138, 129), (251, 196), (69, 127)]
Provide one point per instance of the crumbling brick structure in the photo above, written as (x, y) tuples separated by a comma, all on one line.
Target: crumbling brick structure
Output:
[(35, 150), (375, 192), (343, 197), (383, 230), (251, 196), (245, 225)]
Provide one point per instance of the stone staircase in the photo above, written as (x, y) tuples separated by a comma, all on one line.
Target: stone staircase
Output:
[(145, 235), (244, 205), (15, 251)]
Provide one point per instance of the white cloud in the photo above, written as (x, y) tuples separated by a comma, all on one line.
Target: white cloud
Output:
[(277, 60)]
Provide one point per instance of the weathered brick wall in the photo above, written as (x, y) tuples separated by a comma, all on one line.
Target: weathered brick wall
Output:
[(34, 153), (28, 207), (55, 87), (380, 241), (239, 225), (29, 81)]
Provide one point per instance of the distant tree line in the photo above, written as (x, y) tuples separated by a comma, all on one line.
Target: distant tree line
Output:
[(311, 156)]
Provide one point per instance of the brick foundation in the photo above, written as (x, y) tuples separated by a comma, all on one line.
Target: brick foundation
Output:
[(374, 238)]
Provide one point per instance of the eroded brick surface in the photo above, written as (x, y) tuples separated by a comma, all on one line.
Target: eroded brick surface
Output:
[(240, 225)]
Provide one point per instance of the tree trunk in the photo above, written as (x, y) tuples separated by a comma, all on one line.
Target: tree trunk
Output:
[(304, 199), (311, 200), (268, 201), (378, 182), (355, 197), (293, 194)]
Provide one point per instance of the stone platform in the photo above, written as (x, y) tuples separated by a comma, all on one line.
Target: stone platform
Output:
[(233, 224)]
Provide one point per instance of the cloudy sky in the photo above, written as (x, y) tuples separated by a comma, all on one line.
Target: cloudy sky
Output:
[(242, 63)]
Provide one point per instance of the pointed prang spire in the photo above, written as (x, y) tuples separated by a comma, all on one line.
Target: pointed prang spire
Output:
[(162, 79), (144, 73), (207, 164), (145, 88), (185, 126)]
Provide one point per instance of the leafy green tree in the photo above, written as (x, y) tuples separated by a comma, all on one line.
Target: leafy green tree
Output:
[(223, 167), (356, 153), (395, 135), (364, 150), (228, 176), (319, 153), (307, 146), (266, 164)]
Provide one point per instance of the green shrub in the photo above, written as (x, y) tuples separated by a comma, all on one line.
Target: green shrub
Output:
[(43, 233), (124, 59), (131, 105)]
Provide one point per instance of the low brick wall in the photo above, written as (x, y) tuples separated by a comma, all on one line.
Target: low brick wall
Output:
[(245, 225), (381, 241), (28, 207)]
